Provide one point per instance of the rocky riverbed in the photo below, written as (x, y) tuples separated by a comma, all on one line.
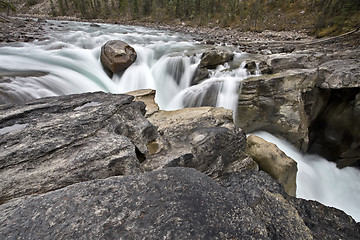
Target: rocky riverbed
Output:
[(30, 27), (98, 165)]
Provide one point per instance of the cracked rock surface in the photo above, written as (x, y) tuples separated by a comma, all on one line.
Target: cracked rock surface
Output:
[(51, 143)]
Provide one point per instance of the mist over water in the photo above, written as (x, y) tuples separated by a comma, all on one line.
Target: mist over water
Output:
[(69, 62)]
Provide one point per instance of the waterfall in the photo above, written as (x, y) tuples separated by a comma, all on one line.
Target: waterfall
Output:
[(320, 180), (69, 63)]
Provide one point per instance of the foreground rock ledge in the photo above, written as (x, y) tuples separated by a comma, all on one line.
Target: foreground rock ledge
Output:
[(173, 203), (70, 150)]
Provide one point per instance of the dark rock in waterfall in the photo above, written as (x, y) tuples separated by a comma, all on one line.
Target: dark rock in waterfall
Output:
[(95, 25), (51, 143), (206, 94), (117, 55), (211, 59), (251, 66), (265, 68), (175, 68), (200, 74), (175, 203)]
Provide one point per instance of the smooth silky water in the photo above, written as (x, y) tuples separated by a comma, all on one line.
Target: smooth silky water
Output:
[(68, 62)]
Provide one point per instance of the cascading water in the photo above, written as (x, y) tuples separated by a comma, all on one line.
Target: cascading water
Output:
[(69, 63), (319, 179)]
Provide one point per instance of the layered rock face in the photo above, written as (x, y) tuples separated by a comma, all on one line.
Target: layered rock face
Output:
[(92, 166), (310, 97), (54, 142)]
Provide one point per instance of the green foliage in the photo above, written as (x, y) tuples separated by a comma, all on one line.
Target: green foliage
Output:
[(52, 11), (6, 5), (337, 15)]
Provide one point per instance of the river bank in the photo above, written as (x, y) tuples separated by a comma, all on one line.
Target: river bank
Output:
[(34, 25)]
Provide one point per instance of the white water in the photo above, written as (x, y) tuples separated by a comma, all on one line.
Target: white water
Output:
[(69, 63), (320, 180)]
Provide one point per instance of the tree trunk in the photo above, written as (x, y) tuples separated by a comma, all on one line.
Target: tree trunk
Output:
[(8, 8)]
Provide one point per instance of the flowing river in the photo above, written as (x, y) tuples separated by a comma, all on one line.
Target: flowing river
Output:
[(68, 62)]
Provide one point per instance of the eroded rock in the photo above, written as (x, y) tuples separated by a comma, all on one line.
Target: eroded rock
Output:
[(273, 161), (146, 96)]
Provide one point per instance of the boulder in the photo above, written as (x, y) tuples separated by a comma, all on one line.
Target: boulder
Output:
[(273, 161), (74, 167), (212, 58), (51, 143), (203, 138), (174, 203), (117, 55), (268, 201)]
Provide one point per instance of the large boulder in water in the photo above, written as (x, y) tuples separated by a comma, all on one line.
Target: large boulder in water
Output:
[(117, 55)]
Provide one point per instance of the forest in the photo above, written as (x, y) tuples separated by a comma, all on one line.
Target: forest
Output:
[(323, 17)]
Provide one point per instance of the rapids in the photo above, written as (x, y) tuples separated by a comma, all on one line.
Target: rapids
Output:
[(68, 62)]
